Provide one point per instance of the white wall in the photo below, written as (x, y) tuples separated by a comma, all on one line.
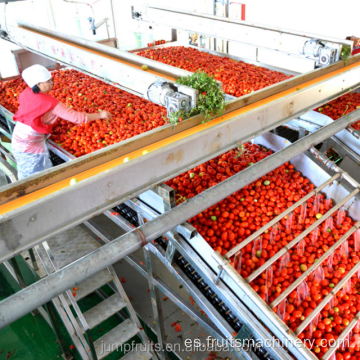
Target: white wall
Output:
[(324, 17), (7, 61), (73, 18), (54, 14)]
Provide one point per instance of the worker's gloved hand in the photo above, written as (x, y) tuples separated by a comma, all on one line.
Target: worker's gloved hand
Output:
[(106, 115)]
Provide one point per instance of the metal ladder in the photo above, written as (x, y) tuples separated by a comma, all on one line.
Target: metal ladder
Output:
[(65, 248)]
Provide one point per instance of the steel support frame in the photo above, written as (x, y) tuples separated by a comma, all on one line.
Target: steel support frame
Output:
[(155, 302), (221, 335), (31, 224), (225, 332), (157, 284), (226, 28), (48, 313), (38, 310), (178, 244)]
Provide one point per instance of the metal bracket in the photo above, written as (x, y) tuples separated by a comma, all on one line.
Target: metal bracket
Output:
[(302, 132), (217, 279), (168, 195), (170, 252), (243, 334), (136, 15)]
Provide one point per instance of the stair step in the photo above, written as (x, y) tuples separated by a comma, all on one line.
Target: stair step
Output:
[(103, 311), (137, 355), (115, 338), (90, 285)]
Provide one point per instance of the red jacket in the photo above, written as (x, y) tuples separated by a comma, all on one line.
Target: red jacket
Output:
[(356, 50), (32, 109)]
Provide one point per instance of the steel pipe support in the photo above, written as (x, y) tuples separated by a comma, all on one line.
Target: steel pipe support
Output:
[(333, 167)]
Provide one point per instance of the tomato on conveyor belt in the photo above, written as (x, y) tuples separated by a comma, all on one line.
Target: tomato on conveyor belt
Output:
[(194, 181), (232, 220), (238, 78), (341, 106), (132, 115)]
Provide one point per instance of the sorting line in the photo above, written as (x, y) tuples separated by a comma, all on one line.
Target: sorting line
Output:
[(286, 248), (51, 189), (342, 336), (326, 299), (280, 216), (315, 265)]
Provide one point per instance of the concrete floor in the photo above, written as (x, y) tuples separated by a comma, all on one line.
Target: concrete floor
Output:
[(136, 287)]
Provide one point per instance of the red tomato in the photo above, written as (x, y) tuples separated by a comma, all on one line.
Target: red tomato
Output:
[(238, 78), (132, 115)]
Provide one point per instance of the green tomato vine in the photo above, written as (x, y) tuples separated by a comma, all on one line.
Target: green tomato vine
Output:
[(345, 53), (211, 101)]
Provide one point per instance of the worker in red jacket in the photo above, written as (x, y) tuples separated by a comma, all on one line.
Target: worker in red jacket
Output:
[(35, 120), (356, 49)]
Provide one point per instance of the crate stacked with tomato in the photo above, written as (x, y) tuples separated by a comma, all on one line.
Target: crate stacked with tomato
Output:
[(238, 78), (229, 222), (132, 115), (342, 106)]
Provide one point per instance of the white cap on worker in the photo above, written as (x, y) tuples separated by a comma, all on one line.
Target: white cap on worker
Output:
[(36, 74)]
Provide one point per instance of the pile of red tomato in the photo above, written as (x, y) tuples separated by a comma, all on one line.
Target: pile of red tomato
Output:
[(196, 180), (341, 106), (157, 42), (238, 78), (10, 92), (229, 222), (300, 303), (232, 220), (132, 115)]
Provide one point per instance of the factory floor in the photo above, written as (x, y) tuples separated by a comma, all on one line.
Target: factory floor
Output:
[(31, 338)]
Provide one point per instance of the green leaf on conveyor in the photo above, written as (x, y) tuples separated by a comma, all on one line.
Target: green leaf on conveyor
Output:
[(210, 105), (345, 53)]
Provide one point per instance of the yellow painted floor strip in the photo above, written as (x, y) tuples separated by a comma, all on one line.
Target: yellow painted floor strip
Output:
[(51, 189)]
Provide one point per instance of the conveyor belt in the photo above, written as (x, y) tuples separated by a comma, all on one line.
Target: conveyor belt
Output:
[(103, 55), (287, 133), (15, 204)]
